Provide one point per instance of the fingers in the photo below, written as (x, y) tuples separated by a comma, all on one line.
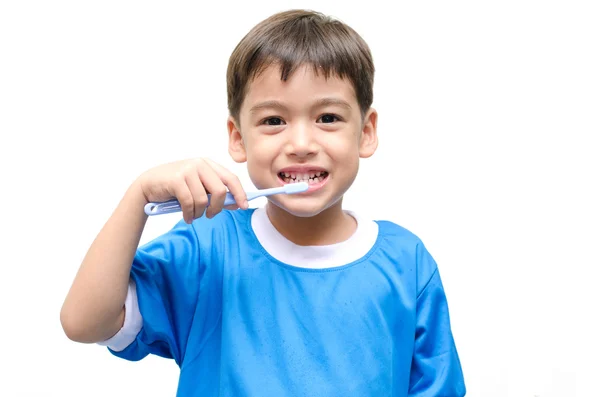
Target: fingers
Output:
[(233, 184), (195, 180), (181, 191), (198, 193), (213, 185)]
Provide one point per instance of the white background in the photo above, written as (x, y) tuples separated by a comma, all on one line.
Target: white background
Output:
[(489, 128)]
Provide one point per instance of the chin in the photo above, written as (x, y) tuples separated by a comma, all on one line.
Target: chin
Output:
[(302, 207)]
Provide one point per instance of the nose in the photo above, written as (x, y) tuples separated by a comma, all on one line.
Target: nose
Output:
[(301, 141)]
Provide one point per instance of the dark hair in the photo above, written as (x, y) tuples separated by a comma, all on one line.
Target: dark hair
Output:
[(296, 37)]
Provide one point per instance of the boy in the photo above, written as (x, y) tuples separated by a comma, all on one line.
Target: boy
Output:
[(300, 298)]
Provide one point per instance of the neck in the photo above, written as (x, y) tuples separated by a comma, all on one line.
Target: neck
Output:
[(331, 226)]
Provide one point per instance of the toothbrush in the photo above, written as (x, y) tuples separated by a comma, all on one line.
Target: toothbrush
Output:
[(170, 206)]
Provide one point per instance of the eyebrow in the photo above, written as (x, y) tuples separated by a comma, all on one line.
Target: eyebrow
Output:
[(319, 103)]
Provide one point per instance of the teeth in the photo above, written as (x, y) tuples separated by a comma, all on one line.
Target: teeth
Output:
[(293, 177)]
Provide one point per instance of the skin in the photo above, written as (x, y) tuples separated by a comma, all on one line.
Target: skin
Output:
[(307, 121)]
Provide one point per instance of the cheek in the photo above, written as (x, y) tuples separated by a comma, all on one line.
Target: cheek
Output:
[(261, 151), (342, 147), (260, 154)]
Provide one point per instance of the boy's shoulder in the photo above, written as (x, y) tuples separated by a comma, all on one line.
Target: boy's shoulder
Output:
[(222, 224), (202, 232), (392, 229), (225, 217), (402, 243)]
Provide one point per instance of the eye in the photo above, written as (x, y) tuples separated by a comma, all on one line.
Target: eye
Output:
[(273, 121), (329, 118)]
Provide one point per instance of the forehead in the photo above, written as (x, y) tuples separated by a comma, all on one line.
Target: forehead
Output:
[(303, 87)]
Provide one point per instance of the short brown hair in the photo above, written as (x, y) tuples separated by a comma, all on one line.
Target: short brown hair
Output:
[(296, 37)]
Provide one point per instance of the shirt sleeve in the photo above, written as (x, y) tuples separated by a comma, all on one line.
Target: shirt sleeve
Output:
[(165, 279), (436, 370), (132, 324)]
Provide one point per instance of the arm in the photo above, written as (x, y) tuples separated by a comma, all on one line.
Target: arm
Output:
[(93, 310)]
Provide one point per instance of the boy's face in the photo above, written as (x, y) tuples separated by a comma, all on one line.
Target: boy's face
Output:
[(307, 128)]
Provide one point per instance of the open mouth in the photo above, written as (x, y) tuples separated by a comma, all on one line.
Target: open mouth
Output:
[(312, 177)]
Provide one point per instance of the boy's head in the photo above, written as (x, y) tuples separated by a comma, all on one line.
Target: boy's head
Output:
[(299, 90)]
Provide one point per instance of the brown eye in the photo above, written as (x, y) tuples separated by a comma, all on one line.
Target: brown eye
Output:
[(273, 121), (329, 118)]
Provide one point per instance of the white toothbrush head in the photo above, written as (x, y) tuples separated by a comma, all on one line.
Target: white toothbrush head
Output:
[(298, 187)]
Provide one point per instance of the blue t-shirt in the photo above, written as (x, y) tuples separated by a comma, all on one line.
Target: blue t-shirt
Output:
[(239, 322)]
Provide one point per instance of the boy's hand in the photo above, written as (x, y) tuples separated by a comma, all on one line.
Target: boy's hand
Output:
[(189, 181)]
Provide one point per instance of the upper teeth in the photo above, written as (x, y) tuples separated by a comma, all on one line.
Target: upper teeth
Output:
[(303, 176)]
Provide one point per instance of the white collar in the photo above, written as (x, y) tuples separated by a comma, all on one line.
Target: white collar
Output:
[(314, 257)]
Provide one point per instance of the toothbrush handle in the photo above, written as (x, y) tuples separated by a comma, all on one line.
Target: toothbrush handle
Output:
[(168, 207)]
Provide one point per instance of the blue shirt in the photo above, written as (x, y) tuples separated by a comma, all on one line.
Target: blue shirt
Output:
[(239, 322)]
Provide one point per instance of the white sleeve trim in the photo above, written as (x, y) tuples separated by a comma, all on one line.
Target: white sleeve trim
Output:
[(132, 324)]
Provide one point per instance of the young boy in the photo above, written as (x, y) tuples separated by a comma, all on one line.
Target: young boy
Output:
[(299, 298)]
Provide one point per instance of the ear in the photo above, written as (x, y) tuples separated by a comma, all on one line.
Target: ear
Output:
[(237, 151), (368, 137)]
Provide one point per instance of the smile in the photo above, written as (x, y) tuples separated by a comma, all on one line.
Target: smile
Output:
[(316, 178), (313, 177)]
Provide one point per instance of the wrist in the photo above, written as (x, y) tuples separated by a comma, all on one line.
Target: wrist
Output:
[(134, 198)]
